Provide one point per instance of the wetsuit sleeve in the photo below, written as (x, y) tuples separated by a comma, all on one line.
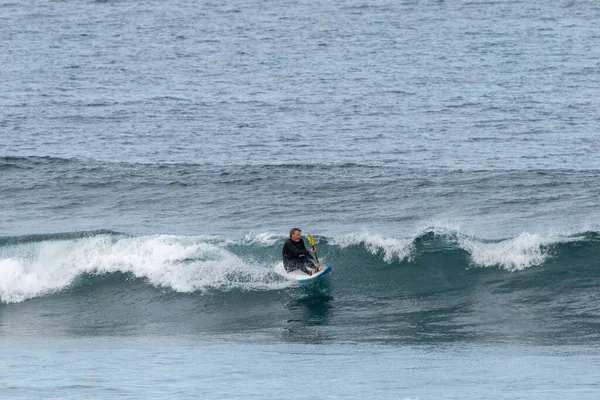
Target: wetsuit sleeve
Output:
[(306, 251)]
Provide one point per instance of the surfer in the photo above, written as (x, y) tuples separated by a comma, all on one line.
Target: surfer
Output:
[(295, 255)]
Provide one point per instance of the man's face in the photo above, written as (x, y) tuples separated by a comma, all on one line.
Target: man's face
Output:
[(296, 236)]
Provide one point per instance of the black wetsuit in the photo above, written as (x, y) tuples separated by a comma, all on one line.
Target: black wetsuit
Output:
[(295, 256)]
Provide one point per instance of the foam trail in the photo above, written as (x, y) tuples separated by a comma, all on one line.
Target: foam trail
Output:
[(183, 264)]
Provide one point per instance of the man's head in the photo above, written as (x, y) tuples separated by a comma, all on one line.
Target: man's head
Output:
[(295, 234)]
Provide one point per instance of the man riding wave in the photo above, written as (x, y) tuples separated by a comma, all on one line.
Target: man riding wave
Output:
[(295, 255)]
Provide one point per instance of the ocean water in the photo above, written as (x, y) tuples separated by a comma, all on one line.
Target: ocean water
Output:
[(154, 155)]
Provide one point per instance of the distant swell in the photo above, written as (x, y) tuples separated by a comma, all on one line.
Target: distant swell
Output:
[(32, 160), (36, 265)]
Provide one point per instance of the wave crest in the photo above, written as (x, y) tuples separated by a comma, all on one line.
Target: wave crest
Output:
[(524, 251), (183, 264), (390, 248), (31, 266)]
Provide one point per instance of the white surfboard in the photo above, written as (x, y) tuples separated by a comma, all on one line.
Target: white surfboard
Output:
[(300, 276)]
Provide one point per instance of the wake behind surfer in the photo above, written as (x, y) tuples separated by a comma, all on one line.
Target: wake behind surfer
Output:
[(295, 255)]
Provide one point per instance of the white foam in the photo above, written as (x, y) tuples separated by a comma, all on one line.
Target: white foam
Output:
[(518, 253), (391, 248), (184, 264), (263, 239)]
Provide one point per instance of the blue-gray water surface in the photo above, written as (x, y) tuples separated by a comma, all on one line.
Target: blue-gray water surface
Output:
[(154, 155)]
